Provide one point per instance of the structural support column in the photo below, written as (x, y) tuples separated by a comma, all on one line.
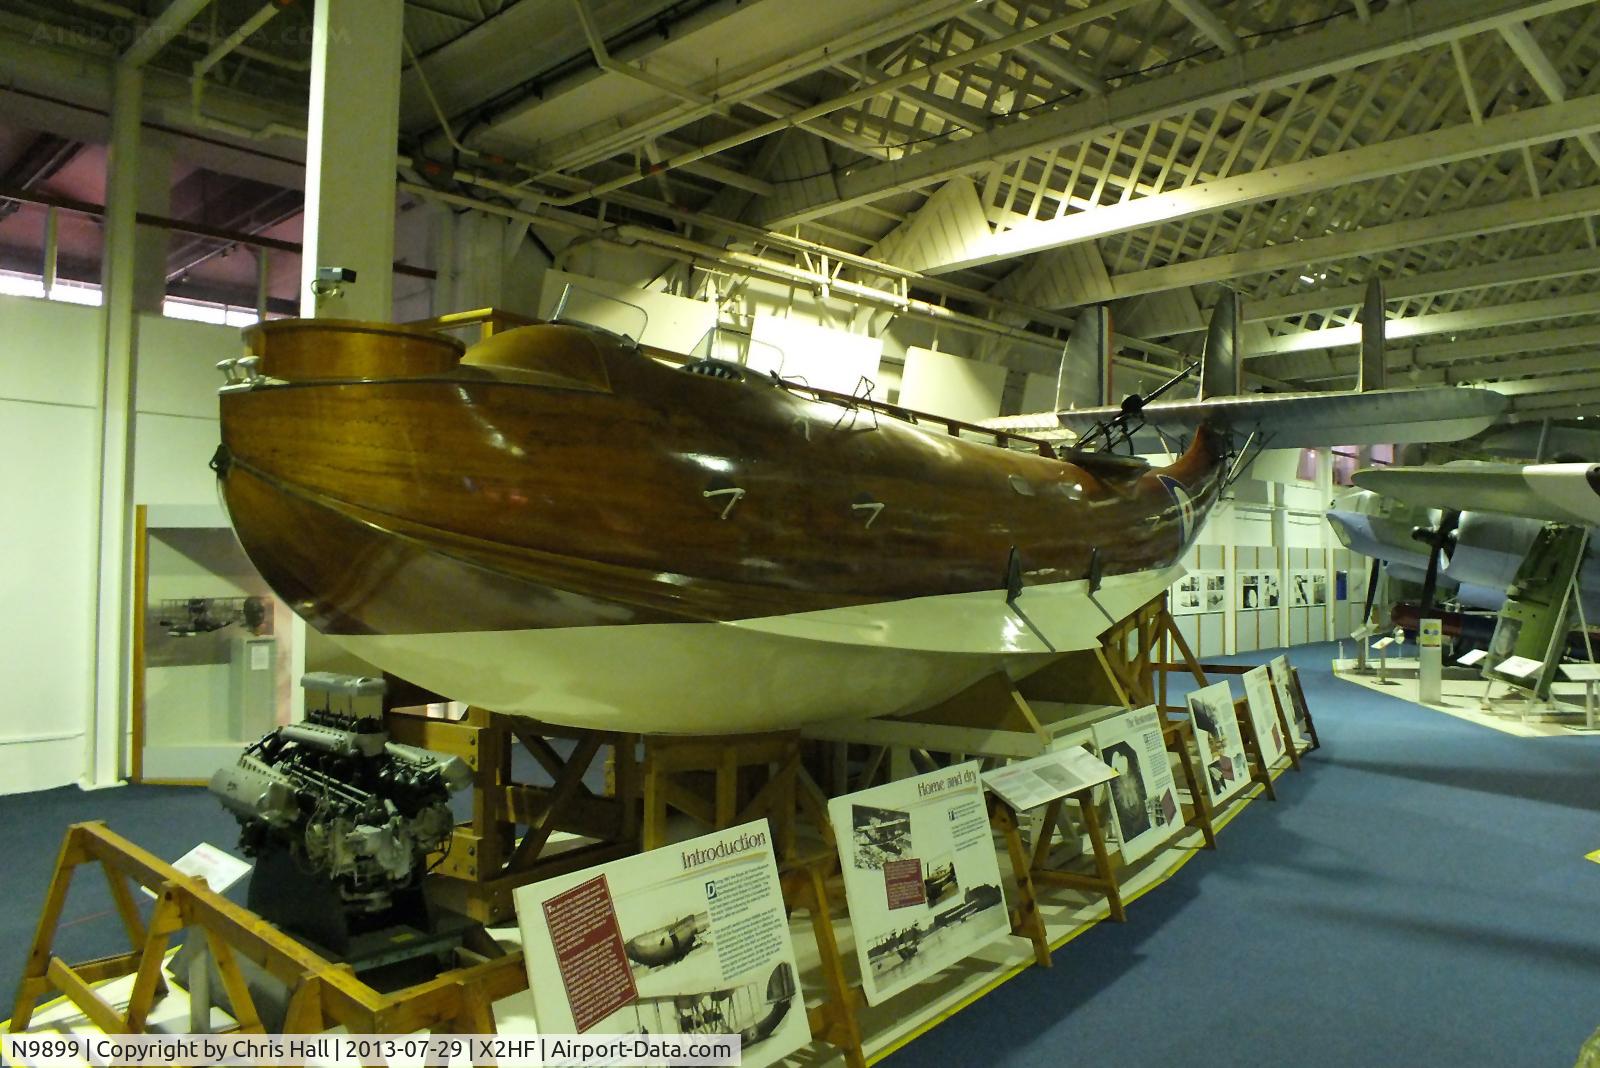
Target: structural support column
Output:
[(154, 178), (350, 158), (118, 367), (351, 132)]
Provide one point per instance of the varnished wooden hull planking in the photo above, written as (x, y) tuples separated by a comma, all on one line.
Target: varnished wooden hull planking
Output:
[(557, 496)]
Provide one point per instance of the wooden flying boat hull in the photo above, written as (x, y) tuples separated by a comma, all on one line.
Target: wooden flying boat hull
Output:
[(554, 524)]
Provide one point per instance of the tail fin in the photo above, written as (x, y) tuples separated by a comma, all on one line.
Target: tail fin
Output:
[(1372, 370), (1221, 367), (1085, 378)]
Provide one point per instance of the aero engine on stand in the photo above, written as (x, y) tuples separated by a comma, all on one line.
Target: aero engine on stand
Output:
[(340, 822)]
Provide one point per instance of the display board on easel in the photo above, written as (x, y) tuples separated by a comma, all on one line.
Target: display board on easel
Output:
[(1225, 769), (1144, 810), (1295, 714), (921, 877), (1263, 716), (688, 939)]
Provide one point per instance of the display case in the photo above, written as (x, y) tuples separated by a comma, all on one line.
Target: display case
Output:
[(211, 663)]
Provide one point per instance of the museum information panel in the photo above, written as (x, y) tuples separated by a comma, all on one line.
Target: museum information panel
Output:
[(1264, 714), (1144, 810), (691, 938), (1221, 746), (1293, 710), (921, 876), (1026, 784)]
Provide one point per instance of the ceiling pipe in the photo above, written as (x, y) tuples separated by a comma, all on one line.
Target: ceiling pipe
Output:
[(202, 66), (602, 59), (167, 25)]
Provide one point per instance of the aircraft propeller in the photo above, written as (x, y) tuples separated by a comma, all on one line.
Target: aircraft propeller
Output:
[(1372, 592), (1441, 541)]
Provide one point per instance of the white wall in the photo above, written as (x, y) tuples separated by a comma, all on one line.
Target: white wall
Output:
[(820, 356), (650, 316), (1276, 523), (177, 430), (49, 426), (949, 385)]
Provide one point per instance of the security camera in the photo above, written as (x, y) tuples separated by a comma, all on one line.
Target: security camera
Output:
[(330, 281)]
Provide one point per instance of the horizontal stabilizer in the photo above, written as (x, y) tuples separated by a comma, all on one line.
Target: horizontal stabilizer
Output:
[(1299, 420), (1554, 493)]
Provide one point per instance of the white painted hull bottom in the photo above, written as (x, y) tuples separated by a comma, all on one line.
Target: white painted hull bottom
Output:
[(762, 674)]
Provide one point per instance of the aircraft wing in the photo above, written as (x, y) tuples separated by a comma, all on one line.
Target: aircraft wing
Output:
[(1555, 493), (1299, 420)]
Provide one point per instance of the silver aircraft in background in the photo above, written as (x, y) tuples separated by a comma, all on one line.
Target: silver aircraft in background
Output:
[(1413, 519)]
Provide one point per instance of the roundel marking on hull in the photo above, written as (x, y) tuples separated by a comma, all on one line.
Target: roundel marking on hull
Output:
[(1185, 506)]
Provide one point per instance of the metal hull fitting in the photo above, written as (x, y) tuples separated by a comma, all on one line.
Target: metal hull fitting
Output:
[(560, 527)]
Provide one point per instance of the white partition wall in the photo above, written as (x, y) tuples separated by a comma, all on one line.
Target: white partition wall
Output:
[(676, 324), (49, 357), (952, 386), (819, 355), (178, 429), (48, 424)]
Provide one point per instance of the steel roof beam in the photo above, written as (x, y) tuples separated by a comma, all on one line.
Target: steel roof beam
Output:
[(1397, 30), (1463, 222), (1434, 283), (1480, 318), (1367, 163)]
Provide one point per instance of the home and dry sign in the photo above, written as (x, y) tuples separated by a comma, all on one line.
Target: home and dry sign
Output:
[(589, 952), (903, 881)]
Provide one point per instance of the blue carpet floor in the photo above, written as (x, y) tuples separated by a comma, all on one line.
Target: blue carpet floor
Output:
[(1418, 896)]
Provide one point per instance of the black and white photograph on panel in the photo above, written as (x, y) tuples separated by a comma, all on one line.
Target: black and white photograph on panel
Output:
[(1186, 595), (880, 835), (1215, 594), (939, 880)]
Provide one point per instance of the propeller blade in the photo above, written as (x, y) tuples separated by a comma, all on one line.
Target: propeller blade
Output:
[(1436, 545), (1372, 592)]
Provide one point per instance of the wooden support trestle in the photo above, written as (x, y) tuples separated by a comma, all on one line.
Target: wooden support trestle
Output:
[(727, 780), (1104, 880), (834, 1020), (323, 993), (508, 841)]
